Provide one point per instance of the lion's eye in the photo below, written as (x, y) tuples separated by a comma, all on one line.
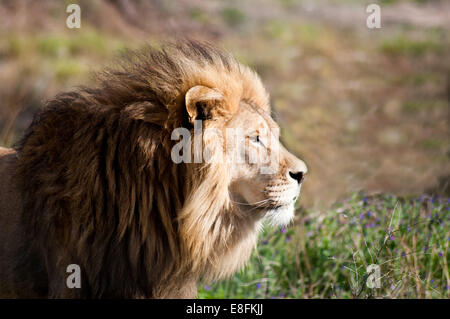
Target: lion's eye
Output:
[(256, 139)]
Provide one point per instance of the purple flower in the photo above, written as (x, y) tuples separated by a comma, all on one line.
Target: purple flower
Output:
[(283, 230), (288, 238), (447, 287), (440, 254), (435, 199), (422, 198), (365, 199), (392, 237), (369, 213), (403, 254), (206, 287), (361, 217), (258, 285), (408, 229), (372, 225), (425, 248)]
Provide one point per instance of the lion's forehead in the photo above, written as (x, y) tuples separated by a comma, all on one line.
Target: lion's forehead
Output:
[(257, 118)]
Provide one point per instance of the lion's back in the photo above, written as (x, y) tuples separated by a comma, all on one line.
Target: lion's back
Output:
[(9, 213), (10, 203), (12, 235)]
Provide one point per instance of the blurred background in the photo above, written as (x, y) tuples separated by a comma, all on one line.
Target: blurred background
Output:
[(367, 109)]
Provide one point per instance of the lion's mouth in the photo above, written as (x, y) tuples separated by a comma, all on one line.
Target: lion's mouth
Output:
[(273, 210), (279, 203), (270, 203)]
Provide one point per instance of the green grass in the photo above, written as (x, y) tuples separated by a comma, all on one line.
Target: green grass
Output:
[(232, 16), (66, 69), (426, 105), (401, 45), (198, 15), (58, 45), (326, 254)]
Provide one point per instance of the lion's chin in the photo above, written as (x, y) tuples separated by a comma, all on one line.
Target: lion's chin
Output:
[(280, 216)]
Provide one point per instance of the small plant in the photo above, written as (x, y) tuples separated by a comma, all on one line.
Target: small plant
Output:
[(326, 254)]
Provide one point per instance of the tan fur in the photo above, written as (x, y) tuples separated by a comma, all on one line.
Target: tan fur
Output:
[(98, 187)]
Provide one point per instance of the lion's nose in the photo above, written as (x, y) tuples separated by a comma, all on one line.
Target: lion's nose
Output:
[(298, 171), (298, 176)]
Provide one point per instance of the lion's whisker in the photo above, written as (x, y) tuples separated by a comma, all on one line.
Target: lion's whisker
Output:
[(254, 203)]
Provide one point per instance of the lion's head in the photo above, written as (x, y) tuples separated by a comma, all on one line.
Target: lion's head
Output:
[(102, 189), (263, 178)]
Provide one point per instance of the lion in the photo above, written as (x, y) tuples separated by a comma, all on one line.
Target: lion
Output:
[(93, 182)]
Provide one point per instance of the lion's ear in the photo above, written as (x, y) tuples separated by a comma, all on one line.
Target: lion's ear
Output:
[(203, 103)]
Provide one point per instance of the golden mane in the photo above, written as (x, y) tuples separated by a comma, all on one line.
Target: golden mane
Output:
[(101, 191)]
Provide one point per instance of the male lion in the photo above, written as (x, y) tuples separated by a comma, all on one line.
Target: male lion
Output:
[(94, 183)]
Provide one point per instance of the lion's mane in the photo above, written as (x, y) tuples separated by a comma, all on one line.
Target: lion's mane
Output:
[(100, 189)]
